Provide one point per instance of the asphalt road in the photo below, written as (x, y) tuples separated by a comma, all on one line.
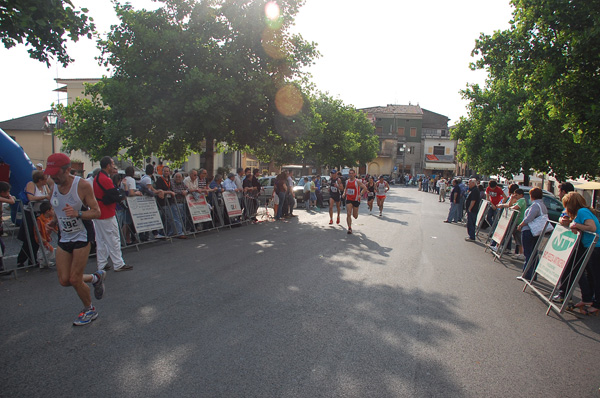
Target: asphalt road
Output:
[(404, 307)]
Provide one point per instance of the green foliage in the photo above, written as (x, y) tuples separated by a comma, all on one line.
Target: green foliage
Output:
[(193, 71), (540, 106), (43, 24), (340, 134)]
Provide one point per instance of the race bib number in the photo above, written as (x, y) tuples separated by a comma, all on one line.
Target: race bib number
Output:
[(334, 189), (70, 225), (370, 194), (350, 191)]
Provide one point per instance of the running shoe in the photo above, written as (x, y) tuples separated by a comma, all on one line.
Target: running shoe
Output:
[(338, 220), (330, 222), (559, 297), (349, 231), (86, 316), (99, 286), (125, 267)]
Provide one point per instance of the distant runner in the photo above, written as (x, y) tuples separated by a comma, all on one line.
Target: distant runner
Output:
[(370, 194), (381, 188), (335, 195), (354, 190)]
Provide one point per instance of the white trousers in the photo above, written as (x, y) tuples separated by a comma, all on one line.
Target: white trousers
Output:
[(108, 242)]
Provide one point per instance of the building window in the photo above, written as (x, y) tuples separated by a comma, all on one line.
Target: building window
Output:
[(401, 131), (411, 150), (439, 150), (413, 131), (443, 133), (379, 130)]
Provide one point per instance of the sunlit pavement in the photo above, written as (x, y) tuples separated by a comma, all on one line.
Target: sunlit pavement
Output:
[(403, 307)]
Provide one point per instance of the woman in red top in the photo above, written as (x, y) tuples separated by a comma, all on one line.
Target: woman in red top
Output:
[(353, 191)]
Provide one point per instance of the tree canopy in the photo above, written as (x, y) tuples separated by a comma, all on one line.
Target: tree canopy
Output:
[(342, 135), (44, 26), (192, 72), (539, 108)]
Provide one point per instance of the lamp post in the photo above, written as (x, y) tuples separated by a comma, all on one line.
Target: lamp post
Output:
[(403, 150), (52, 121)]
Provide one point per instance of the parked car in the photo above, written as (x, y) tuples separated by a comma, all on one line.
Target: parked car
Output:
[(299, 189), (553, 204), (267, 184)]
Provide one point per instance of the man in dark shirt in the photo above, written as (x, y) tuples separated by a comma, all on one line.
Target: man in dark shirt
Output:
[(454, 203), (168, 206), (472, 204), (251, 188)]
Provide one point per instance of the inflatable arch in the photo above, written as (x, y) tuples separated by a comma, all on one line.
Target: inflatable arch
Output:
[(20, 165)]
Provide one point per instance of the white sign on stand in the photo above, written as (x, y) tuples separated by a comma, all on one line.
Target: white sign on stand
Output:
[(199, 209), (232, 204), (483, 206), (144, 213), (556, 254), (505, 218)]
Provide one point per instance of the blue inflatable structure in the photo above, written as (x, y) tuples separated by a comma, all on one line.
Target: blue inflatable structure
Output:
[(20, 165)]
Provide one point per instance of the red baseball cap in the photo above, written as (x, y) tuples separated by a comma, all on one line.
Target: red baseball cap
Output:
[(55, 162)]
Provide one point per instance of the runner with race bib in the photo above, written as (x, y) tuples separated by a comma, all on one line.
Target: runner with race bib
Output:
[(354, 190), (381, 187)]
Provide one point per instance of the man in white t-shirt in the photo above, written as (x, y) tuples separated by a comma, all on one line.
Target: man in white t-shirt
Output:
[(191, 183)]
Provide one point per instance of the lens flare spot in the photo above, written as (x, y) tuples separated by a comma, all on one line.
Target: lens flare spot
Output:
[(288, 100), (272, 44), (272, 11)]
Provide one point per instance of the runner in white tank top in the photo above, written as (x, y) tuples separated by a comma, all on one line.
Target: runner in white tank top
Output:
[(381, 188), (70, 196), (72, 229)]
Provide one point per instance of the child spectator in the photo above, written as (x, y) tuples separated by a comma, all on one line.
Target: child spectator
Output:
[(5, 197), (46, 225)]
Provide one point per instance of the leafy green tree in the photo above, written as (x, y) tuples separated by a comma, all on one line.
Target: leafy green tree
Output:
[(43, 25), (341, 135), (194, 72), (543, 76)]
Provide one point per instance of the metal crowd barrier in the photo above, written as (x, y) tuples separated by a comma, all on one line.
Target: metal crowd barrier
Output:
[(176, 210)]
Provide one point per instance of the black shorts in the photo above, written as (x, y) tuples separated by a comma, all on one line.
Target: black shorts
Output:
[(69, 247), (335, 198), (354, 203), (370, 198)]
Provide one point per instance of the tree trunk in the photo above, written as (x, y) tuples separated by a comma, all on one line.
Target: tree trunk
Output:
[(210, 157)]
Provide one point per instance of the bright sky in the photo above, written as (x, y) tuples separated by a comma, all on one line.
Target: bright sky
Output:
[(374, 52)]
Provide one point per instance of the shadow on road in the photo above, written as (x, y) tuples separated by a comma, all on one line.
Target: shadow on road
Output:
[(250, 312)]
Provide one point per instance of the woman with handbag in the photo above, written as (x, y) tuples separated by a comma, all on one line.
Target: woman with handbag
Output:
[(586, 223), (537, 214), (36, 191)]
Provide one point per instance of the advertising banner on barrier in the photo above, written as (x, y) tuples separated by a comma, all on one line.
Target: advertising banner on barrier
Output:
[(144, 213), (198, 209), (232, 204), (556, 254), (482, 211), (503, 224)]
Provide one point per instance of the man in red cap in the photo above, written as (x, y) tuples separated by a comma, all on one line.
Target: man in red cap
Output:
[(74, 205)]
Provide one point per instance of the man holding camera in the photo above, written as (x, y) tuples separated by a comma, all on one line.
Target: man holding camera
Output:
[(108, 239)]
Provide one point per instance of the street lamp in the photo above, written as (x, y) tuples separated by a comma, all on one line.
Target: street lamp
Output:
[(403, 150), (52, 119)]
